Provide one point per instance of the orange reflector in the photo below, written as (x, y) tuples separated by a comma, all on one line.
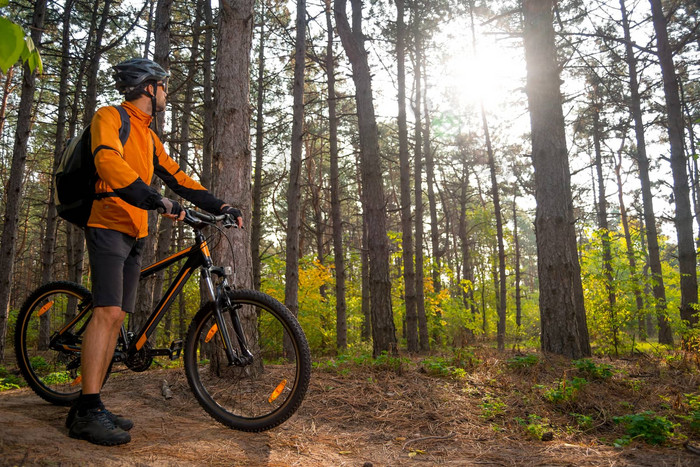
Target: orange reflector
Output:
[(77, 380), (45, 308), (278, 390), (211, 333)]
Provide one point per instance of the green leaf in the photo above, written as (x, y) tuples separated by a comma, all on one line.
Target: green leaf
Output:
[(35, 63), (12, 43), (4, 3)]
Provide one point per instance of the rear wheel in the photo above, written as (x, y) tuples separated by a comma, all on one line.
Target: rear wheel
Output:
[(264, 393), (49, 361)]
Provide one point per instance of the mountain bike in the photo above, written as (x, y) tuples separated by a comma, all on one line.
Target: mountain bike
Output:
[(246, 357)]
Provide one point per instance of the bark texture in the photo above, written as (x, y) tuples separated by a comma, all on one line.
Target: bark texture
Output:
[(562, 314)]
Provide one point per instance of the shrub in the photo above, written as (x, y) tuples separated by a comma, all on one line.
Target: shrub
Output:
[(491, 407), (588, 368), (646, 426), (565, 391)]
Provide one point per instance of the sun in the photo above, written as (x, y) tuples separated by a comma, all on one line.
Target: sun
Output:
[(491, 73)]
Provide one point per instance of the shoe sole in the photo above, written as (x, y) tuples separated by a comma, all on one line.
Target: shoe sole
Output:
[(100, 443), (123, 427)]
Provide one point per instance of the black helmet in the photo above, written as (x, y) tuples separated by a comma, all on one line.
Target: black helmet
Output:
[(135, 71)]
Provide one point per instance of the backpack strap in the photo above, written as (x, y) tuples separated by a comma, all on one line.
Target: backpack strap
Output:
[(125, 129), (124, 132)]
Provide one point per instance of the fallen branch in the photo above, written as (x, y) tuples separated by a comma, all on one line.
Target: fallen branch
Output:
[(450, 436)]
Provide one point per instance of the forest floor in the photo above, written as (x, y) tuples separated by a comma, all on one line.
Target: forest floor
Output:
[(499, 411)]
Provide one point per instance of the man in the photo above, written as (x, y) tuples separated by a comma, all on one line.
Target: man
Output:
[(117, 228)]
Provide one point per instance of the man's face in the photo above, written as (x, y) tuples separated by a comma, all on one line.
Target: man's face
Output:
[(161, 95)]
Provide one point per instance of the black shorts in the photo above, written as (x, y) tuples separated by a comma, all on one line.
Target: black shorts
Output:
[(115, 264)]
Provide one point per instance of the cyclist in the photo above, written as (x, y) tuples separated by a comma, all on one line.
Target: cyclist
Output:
[(117, 228)]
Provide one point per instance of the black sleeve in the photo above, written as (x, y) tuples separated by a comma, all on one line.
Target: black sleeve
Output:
[(140, 195)]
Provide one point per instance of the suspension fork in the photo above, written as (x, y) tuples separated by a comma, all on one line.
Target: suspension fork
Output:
[(246, 357), (215, 293)]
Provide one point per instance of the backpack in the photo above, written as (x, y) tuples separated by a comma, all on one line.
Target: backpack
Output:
[(76, 175)]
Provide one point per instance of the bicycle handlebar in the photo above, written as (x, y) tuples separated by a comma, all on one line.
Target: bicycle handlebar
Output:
[(199, 219)]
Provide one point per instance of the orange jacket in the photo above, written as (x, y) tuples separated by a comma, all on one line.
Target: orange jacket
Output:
[(125, 173)]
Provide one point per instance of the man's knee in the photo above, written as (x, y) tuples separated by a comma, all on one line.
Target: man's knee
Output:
[(111, 315)]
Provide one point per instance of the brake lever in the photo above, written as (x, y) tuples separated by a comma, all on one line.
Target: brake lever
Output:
[(229, 222)]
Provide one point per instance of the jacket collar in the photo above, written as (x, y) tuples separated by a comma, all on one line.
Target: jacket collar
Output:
[(136, 114)]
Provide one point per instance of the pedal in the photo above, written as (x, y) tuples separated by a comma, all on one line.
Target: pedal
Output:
[(175, 349)]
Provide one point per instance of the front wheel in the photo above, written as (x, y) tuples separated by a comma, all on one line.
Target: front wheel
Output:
[(264, 393)]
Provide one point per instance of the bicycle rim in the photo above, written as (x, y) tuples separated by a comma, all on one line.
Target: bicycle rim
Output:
[(51, 364), (263, 394)]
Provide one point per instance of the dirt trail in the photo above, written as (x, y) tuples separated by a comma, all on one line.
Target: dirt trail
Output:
[(356, 420)]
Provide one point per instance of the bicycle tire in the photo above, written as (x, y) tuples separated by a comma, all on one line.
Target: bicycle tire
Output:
[(259, 396), (53, 374)]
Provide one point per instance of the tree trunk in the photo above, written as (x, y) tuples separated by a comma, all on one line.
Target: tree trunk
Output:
[(341, 324), (603, 221), (15, 183), (3, 105), (231, 140), (665, 334), (256, 220), (693, 169), (684, 216), (383, 330), (158, 231), (149, 30), (291, 276), (501, 325), (639, 301), (49, 239), (563, 317), (430, 179), (424, 340), (208, 126), (409, 273), (516, 266)]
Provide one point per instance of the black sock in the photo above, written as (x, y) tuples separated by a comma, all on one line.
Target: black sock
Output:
[(87, 402)]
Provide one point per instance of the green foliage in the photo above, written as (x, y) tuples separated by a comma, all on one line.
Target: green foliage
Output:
[(520, 362), (650, 428), (15, 46), (9, 381), (565, 390), (441, 367), (38, 363), (584, 422), (535, 426), (693, 418), (59, 377), (316, 304), (343, 364), (492, 407), (589, 369)]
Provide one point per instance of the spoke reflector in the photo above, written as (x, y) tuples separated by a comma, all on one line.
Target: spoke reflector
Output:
[(278, 390), (211, 333), (77, 380), (45, 308)]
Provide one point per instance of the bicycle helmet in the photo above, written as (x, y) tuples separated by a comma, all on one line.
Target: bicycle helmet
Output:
[(131, 73)]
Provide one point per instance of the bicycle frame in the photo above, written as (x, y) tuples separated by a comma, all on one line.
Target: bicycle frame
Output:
[(198, 256)]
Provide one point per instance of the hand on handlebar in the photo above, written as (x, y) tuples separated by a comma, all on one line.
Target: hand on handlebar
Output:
[(171, 209), (234, 213)]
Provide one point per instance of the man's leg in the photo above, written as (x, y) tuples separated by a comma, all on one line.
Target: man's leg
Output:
[(98, 346), (88, 419)]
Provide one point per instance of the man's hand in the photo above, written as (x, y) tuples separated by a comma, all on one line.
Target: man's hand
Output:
[(171, 209), (233, 212)]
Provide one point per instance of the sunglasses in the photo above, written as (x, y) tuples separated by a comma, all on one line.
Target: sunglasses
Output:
[(164, 85)]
